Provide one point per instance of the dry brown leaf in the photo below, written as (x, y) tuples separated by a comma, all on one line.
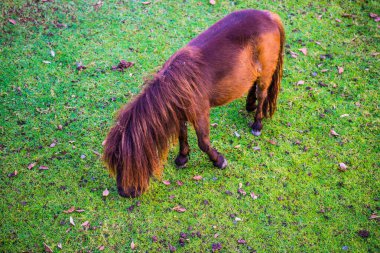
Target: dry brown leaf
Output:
[(342, 167), (179, 209), (293, 54), (303, 50), (70, 210), (300, 82), (30, 166), (47, 248), (72, 221), (106, 192), (253, 195), (333, 133), (197, 178)]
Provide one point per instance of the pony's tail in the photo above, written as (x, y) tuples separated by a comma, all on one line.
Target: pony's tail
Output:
[(136, 146), (270, 105)]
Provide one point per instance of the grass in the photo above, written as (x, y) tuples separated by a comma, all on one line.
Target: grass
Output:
[(305, 203)]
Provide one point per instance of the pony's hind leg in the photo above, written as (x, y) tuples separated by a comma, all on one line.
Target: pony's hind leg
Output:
[(262, 93), (184, 148), (202, 129), (250, 105)]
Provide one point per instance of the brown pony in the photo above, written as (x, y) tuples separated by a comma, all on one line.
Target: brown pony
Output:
[(241, 53)]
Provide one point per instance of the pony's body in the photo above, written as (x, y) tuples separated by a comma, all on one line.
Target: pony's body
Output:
[(241, 53)]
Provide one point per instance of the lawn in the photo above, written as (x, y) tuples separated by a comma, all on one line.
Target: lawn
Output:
[(55, 117)]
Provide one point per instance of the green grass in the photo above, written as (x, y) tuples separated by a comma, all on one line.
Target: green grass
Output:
[(295, 179)]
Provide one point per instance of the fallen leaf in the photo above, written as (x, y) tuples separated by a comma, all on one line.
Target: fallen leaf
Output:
[(179, 209), (180, 183), (133, 246), (13, 174), (80, 66), (272, 142), (342, 167), (145, 3), (253, 195), (72, 221), (324, 70), (30, 166), (59, 245), (106, 192), (166, 182), (212, 2), (242, 192), (12, 21), (79, 210), (197, 178), (47, 248), (96, 152), (237, 146), (340, 70), (123, 65), (338, 20), (301, 82), (241, 241), (374, 216), (98, 5), (172, 248), (70, 210), (303, 50), (42, 167), (293, 54), (101, 248), (333, 133)]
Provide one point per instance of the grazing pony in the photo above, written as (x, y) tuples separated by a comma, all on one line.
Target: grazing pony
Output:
[(241, 53)]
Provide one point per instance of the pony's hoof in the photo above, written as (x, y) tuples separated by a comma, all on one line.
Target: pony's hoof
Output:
[(181, 161), (221, 163), (256, 133), (130, 193)]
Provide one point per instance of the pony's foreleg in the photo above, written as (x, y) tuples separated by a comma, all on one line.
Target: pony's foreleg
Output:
[(202, 129), (261, 93), (250, 105), (184, 148)]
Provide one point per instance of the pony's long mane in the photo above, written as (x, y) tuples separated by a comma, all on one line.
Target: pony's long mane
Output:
[(140, 139)]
